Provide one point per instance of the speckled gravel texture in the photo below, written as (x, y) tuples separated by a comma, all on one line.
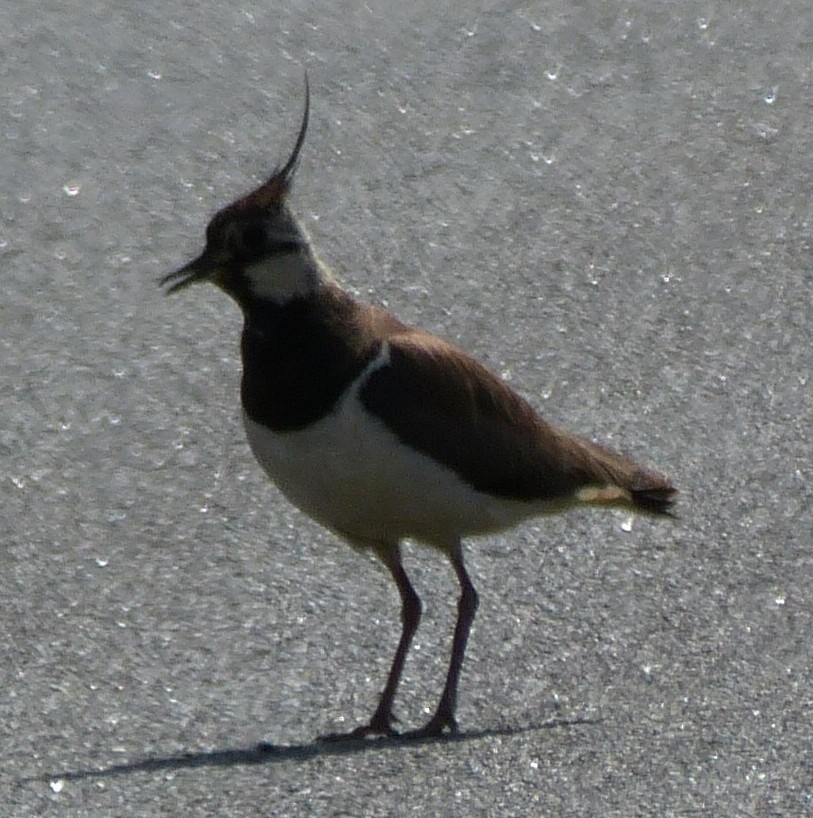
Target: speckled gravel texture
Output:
[(609, 204)]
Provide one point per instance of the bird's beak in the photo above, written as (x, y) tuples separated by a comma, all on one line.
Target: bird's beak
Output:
[(203, 268)]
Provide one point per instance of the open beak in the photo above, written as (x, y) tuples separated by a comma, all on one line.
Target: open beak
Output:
[(202, 268)]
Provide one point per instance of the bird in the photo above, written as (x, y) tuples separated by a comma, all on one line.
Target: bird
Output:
[(383, 432)]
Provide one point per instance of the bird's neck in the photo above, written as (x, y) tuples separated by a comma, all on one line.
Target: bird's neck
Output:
[(300, 356)]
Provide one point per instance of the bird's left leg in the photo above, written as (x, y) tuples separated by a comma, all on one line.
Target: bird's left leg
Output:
[(382, 719)]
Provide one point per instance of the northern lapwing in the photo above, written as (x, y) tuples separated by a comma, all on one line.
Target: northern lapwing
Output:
[(383, 432)]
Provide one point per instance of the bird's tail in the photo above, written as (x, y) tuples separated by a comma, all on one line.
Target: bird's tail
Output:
[(657, 498), (614, 480)]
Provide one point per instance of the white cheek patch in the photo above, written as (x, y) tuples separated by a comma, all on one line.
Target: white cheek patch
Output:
[(282, 278)]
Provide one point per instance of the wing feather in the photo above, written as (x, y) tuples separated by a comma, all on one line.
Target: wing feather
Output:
[(445, 404)]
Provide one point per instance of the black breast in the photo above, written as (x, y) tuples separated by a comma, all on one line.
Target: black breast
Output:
[(300, 357)]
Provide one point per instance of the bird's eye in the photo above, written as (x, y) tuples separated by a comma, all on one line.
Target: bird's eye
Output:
[(252, 239)]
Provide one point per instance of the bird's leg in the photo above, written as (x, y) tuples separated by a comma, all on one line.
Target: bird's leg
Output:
[(382, 719), (444, 717)]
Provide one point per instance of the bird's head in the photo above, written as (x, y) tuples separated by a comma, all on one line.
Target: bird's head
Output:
[(255, 248)]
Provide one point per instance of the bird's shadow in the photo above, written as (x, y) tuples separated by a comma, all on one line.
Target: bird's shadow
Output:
[(276, 754)]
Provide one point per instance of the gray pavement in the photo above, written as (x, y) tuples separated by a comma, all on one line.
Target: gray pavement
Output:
[(610, 204)]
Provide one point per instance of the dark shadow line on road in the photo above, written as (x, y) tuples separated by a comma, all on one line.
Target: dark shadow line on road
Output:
[(275, 754)]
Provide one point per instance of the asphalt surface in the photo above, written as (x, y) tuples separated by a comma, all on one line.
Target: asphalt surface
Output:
[(610, 204)]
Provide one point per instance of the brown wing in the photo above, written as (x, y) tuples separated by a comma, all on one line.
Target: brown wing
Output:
[(446, 405)]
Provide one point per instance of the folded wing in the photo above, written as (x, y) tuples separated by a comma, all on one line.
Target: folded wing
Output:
[(445, 404)]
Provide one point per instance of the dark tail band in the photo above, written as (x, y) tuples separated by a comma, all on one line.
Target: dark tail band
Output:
[(655, 500)]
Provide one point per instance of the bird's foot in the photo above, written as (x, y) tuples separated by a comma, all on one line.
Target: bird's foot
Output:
[(441, 724), (380, 725)]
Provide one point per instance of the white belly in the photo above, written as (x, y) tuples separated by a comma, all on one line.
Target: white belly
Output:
[(350, 473)]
